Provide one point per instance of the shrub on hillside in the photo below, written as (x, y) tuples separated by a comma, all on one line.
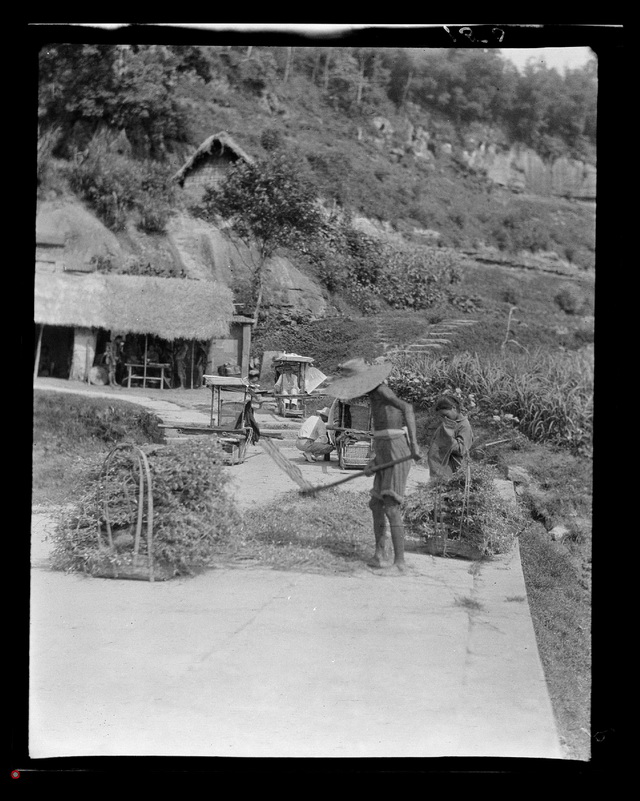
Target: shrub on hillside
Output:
[(193, 515), (117, 187), (416, 280), (570, 300), (272, 139)]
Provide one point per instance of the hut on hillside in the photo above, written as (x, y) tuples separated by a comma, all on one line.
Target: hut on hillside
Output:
[(76, 314), (209, 164)]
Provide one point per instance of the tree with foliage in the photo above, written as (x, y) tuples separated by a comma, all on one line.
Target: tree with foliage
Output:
[(269, 204), (130, 88), (117, 187)]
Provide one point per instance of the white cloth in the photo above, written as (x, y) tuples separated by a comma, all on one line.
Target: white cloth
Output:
[(314, 378), (287, 384), (313, 428), (318, 448)]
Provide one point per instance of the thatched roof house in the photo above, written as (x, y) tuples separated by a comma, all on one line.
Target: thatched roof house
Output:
[(77, 313), (171, 308), (209, 164)]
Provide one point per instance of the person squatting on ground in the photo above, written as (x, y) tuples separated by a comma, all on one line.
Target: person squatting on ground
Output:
[(313, 439), (394, 437), (451, 441)]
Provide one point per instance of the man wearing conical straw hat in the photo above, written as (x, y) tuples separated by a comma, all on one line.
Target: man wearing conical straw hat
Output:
[(394, 440)]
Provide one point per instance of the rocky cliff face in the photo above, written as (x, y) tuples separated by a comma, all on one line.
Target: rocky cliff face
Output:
[(523, 170), (190, 247), (515, 167)]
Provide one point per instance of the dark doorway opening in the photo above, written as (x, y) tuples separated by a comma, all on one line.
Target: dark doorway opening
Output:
[(56, 351)]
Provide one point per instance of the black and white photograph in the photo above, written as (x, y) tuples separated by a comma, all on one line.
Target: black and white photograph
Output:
[(313, 344)]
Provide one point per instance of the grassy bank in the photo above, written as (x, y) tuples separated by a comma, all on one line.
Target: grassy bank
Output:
[(558, 590)]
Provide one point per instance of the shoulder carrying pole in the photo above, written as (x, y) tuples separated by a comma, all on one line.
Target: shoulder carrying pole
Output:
[(368, 471)]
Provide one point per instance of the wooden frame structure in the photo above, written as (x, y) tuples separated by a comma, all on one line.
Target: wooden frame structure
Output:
[(351, 431), (299, 365)]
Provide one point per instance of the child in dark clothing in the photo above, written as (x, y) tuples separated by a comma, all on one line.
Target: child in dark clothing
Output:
[(452, 439)]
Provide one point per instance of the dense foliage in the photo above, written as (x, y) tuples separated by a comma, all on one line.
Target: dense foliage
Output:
[(152, 104), (136, 88), (475, 514), (548, 397), (59, 426), (269, 203), (130, 88), (119, 189)]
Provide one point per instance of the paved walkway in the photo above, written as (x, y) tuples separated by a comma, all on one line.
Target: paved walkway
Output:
[(259, 662)]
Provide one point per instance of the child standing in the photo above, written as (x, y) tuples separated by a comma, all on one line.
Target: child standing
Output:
[(452, 439)]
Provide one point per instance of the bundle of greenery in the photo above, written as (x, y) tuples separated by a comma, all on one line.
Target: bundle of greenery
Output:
[(471, 511)]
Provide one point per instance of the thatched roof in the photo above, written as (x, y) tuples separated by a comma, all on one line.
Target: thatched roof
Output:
[(220, 140), (171, 308)]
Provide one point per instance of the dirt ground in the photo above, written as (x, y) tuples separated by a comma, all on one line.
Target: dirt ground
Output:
[(258, 480)]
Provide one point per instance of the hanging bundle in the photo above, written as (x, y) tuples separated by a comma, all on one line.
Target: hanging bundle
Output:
[(448, 537)]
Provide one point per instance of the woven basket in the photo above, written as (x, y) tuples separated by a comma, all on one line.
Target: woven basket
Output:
[(135, 567), (439, 545), (358, 454)]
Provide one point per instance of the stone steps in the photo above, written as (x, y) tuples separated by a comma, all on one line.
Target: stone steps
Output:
[(439, 336)]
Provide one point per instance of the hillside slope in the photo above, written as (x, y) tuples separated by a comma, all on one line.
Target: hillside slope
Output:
[(399, 173)]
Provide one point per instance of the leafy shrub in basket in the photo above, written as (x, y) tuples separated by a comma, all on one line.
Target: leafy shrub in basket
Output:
[(193, 515), (488, 522)]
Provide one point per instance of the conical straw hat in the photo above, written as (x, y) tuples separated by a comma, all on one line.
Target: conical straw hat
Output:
[(357, 378)]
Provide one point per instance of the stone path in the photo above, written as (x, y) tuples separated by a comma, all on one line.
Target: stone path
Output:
[(437, 337)]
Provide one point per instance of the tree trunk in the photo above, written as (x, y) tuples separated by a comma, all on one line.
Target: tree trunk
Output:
[(406, 90), (258, 303), (287, 69), (316, 65), (360, 85), (325, 82)]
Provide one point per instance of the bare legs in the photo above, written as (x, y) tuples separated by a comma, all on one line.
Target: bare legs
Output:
[(379, 532), (383, 510)]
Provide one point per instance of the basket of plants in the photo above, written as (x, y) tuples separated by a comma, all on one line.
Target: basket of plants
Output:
[(463, 516), (150, 515)]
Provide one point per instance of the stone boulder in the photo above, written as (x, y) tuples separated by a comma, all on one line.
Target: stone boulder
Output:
[(86, 239), (518, 475), (288, 287)]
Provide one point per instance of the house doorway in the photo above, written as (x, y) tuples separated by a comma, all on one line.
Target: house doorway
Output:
[(56, 351)]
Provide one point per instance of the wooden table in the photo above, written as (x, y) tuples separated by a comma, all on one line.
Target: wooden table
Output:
[(143, 375)]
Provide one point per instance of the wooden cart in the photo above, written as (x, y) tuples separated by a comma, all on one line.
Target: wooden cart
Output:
[(351, 431), (231, 408)]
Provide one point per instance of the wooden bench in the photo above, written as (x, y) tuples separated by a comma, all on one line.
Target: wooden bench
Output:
[(144, 375)]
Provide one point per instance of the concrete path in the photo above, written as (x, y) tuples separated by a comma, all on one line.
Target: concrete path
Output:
[(258, 662)]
